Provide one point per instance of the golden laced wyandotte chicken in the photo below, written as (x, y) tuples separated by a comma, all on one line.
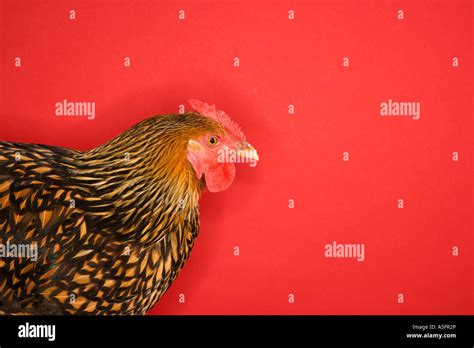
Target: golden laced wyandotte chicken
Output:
[(108, 230)]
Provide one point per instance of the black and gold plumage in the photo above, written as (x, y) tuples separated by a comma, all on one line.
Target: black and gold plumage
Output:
[(113, 226)]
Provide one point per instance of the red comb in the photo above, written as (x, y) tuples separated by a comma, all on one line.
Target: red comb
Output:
[(218, 115)]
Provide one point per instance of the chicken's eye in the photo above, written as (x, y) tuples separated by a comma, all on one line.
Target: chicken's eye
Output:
[(213, 140)]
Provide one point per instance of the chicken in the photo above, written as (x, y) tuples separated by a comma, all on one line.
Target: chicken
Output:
[(107, 231)]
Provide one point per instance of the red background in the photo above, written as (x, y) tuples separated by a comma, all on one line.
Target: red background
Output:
[(282, 62)]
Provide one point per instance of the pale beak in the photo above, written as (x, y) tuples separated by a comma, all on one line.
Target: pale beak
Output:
[(245, 150)]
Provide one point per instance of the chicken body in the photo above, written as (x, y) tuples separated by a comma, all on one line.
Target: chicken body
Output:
[(112, 227)]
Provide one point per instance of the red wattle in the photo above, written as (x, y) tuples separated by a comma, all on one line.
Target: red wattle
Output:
[(219, 176)]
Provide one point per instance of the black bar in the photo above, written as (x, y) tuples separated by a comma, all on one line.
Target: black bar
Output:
[(287, 330)]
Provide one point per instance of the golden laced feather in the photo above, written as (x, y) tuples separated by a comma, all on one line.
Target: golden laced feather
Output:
[(113, 226)]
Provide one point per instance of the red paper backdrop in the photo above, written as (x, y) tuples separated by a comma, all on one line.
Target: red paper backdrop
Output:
[(282, 62)]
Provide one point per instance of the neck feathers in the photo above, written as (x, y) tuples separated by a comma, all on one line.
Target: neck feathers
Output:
[(143, 180)]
